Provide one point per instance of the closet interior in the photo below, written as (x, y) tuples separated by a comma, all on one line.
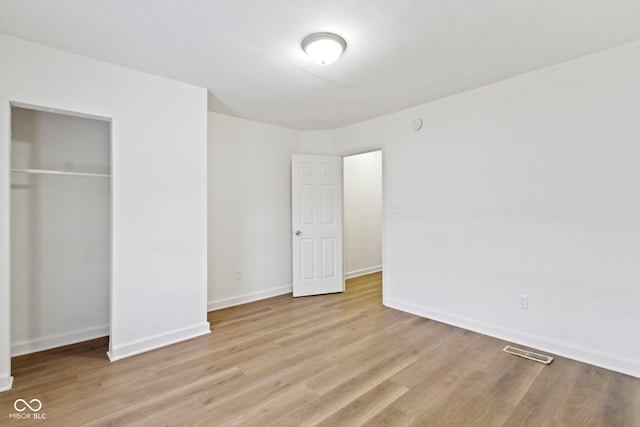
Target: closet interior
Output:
[(60, 229)]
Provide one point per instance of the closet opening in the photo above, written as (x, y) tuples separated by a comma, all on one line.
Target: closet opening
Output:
[(60, 228)]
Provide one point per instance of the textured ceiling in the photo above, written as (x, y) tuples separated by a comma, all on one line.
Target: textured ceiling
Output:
[(400, 53)]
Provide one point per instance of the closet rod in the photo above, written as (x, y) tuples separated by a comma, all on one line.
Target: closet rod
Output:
[(54, 172)]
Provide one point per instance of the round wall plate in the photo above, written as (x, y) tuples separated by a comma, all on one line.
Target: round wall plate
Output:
[(416, 124)]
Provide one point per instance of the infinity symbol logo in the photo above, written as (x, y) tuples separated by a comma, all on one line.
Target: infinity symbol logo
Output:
[(37, 405)]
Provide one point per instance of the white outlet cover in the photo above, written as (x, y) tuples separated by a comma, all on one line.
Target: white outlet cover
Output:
[(523, 301)]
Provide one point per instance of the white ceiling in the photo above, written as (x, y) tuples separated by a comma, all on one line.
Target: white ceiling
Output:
[(400, 53)]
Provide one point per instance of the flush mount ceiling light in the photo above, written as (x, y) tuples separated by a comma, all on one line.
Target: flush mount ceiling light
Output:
[(323, 48)]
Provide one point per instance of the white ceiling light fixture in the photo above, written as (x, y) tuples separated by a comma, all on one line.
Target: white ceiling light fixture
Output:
[(323, 48)]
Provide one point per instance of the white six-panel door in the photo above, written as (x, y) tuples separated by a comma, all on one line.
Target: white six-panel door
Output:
[(316, 200)]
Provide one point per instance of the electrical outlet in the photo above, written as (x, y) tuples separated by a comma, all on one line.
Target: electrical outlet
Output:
[(238, 275), (523, 302)]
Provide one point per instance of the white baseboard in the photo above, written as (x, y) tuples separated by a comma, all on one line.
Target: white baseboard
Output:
[(53, 341), (362, 272), (152, 343), (6, 382), (581, 354), (243, 299)]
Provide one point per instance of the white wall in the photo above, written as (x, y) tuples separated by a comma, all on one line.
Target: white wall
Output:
[(362, 182), (249, 209), (316, 142), (60, 231), (528, 186), (159, 198)]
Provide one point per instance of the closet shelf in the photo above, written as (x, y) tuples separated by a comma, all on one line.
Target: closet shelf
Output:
[(55, 172)]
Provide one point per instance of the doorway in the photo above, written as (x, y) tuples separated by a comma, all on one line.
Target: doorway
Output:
[(60, 228), (326, 191), (363, 213)]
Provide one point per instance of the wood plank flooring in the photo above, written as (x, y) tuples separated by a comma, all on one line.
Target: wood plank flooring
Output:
[(333, 360)]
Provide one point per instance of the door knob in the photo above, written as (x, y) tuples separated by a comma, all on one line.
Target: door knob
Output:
[(298, 232)]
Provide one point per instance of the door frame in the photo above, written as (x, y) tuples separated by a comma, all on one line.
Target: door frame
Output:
[(355, 152)]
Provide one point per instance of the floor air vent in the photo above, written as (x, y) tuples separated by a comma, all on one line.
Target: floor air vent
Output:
[(528, 355)]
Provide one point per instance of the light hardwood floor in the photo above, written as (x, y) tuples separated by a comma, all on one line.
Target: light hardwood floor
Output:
[(340, 359)]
